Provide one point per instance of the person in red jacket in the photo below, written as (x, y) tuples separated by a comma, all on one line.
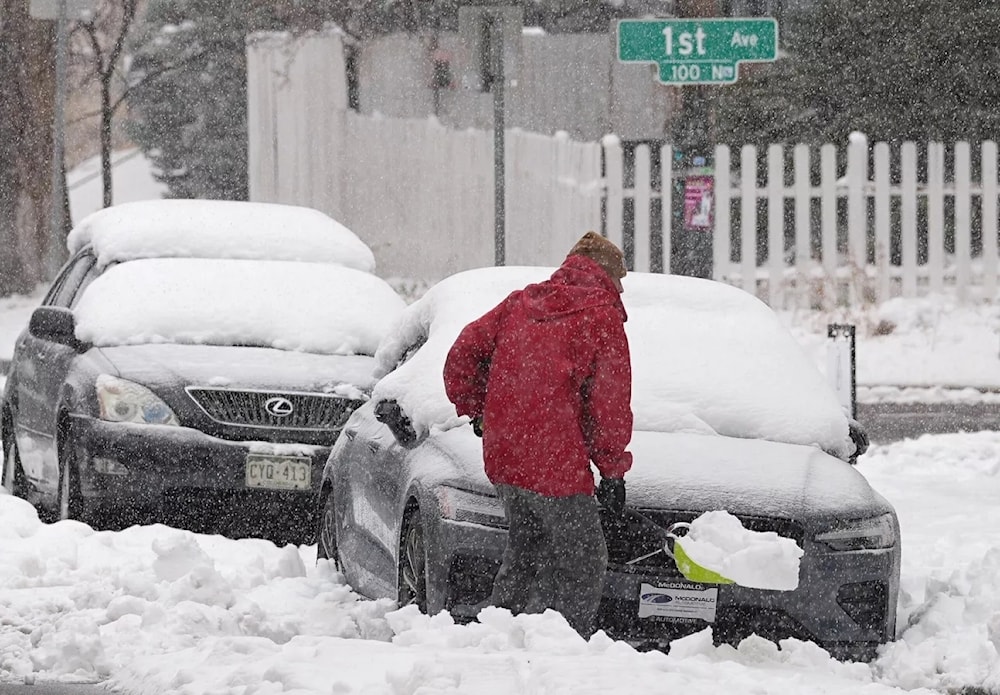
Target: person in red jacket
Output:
[(545, 377)]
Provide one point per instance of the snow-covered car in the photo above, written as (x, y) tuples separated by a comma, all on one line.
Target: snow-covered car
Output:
[(195, 360), (730, 415)]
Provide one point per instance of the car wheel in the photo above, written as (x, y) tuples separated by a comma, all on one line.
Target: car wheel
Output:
[(326, 533), (412, 563), (71, 505), (13, 475)]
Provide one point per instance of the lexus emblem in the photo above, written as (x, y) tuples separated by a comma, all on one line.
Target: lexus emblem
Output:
[(279, 407)]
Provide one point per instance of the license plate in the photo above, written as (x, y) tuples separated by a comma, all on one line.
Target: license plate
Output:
[(279, 472), (678, 602)]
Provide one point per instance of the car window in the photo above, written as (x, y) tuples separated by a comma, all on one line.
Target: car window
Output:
[(64, 288), (411, 350), (88, 277)]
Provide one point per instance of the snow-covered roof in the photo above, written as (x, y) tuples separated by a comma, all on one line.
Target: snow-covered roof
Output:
[(177, 228), (707, 358), (291, 306)]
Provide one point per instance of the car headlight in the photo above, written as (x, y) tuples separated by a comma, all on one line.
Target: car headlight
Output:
[(472, 507), (864, 534), (127, 401)]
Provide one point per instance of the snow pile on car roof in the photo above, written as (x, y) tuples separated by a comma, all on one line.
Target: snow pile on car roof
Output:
[(291, 306), (707, 358), (218, 229)]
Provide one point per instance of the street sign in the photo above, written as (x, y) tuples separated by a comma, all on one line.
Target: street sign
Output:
[(49, 9), (698, 51)]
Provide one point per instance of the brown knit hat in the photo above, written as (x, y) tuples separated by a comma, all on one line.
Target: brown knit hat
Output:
[(605, 253)]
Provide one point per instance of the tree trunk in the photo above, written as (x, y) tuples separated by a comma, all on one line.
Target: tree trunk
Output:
[(27, 93)]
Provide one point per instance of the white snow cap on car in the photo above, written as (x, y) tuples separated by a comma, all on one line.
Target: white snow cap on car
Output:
[(176, 228)]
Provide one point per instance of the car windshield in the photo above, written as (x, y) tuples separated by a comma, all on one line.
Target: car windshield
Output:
[(707, 358), (310, 307)]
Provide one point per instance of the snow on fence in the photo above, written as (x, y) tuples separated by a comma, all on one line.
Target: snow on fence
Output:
[(796, 225)]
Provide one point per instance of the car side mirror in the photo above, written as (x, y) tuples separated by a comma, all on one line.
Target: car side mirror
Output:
[(56, 325), (392, 416)]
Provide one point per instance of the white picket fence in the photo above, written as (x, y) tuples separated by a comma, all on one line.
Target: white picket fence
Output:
[(795, 225), (832, 232)]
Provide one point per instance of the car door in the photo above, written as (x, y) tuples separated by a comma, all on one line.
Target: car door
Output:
[(40, 368), (373, 475)]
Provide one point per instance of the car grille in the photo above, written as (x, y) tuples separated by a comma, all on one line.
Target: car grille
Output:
[(643, 537), (306, 411)]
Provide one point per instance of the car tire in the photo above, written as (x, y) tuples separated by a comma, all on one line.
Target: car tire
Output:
[(70, 503), (326, 532), (13, 474), (412, 563)]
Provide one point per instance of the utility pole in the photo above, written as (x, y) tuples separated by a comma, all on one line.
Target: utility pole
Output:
[(694, 145), (491, 31)]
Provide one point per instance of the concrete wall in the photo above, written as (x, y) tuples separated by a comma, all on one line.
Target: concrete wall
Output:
[(560, 82)]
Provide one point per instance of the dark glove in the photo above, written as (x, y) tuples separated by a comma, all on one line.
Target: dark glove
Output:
[(477, 426), (611, 496)]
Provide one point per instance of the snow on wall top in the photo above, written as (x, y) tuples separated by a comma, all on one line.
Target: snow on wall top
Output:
[(178, 228)]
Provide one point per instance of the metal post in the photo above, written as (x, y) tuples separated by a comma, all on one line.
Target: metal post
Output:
[(499, 166), (58, 127), (693, 143), (842, 364)]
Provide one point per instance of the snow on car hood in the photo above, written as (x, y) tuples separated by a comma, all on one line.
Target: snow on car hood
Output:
[(349, 376), (308, 307), (700, 473), (218, 229), (706, 357)]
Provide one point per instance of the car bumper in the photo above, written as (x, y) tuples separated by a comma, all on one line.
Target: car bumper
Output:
[(845, 601), (162, 467)]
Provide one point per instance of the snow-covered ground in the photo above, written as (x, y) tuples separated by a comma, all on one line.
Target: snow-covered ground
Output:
[(158, 610), (132, 178)]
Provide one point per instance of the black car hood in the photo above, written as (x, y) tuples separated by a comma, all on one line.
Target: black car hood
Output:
[(695, 472), (171, 365)]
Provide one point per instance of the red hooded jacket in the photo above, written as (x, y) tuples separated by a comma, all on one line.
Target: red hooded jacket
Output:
[(548, 370)]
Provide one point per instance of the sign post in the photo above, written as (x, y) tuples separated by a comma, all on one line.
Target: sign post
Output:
[(493, 33)]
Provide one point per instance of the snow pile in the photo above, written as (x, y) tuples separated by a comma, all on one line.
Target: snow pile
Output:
[(290, 306), (945, 489), (759, 559), (219, 229), (706, 357), (156, 610)]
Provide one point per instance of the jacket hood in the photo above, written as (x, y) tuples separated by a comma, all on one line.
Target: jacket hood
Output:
[(579, 283)]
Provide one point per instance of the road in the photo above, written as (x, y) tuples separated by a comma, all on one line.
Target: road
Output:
[(889, 422)]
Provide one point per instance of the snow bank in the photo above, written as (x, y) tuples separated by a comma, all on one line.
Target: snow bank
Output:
[(156, 610), (290, 306), (218, 229)]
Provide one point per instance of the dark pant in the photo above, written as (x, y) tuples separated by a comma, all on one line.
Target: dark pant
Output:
[(555, 556)]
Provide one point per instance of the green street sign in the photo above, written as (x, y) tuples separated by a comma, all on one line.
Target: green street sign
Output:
[(698, 51)]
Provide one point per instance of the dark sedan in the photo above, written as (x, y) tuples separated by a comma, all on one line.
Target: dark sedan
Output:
[(202, 391), (729, 415)]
